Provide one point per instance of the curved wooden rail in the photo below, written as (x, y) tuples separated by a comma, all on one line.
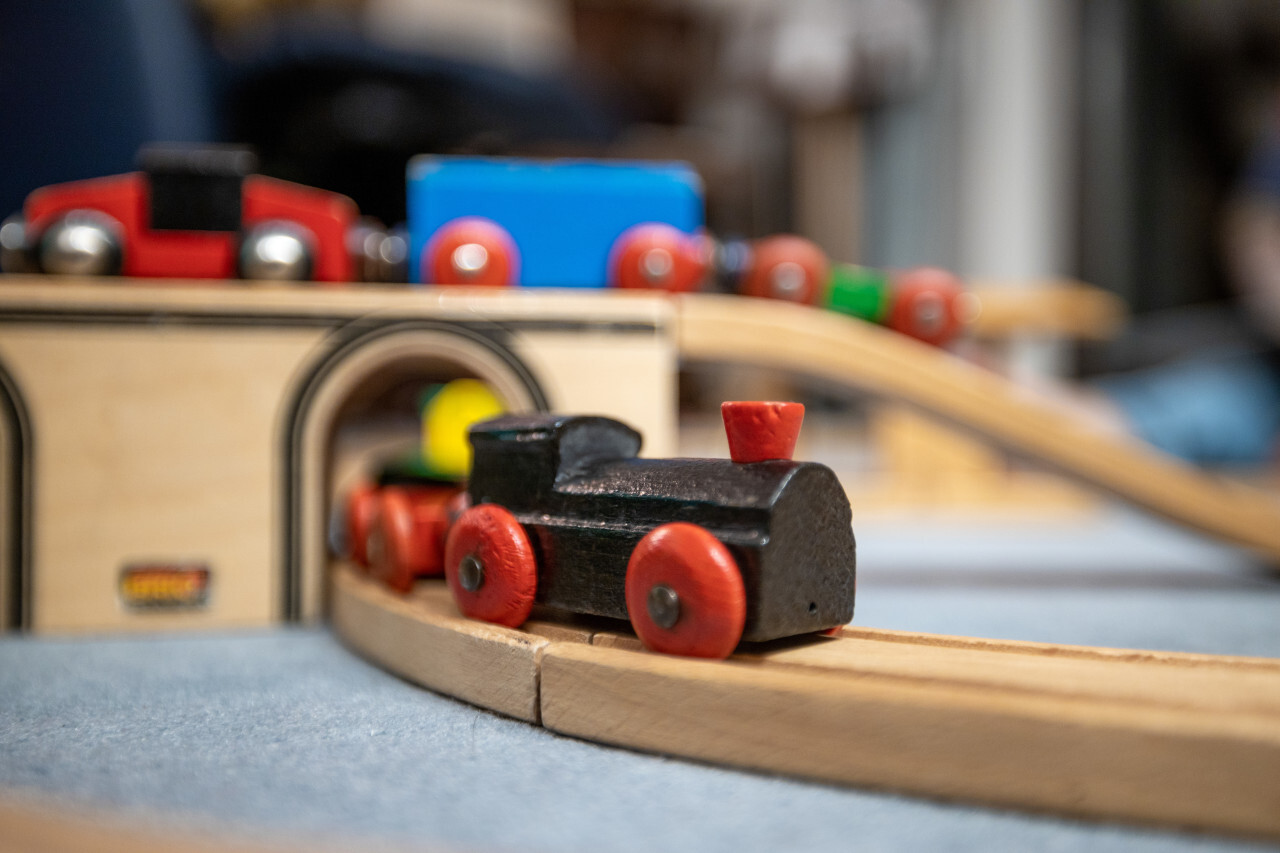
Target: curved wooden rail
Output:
[(1175, 739), (861, 355), (1051, 308)]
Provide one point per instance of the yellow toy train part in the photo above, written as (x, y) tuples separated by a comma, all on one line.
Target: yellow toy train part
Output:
[(447, 417)]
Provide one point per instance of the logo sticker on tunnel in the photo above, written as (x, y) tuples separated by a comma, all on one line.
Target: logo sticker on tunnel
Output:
[(165, 586)]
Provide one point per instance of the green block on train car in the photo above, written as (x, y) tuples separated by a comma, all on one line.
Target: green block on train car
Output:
[(860, 291)]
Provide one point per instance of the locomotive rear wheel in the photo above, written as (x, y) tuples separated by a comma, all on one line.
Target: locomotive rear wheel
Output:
[(684, 593), (490, 566)]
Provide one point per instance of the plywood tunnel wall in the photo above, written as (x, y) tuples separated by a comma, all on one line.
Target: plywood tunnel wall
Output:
[(186, 429)]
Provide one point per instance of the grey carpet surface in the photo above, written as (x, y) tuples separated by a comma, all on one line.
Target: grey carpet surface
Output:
[(284, 734)]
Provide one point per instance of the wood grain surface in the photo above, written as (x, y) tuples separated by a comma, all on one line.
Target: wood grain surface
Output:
[(30, 826), (1152, 737), (158, 416), (168, 423)]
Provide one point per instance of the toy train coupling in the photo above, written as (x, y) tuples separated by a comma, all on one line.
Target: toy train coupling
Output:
[(380, 254)]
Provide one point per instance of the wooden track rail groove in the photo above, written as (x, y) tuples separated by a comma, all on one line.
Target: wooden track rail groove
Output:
[(1148, 737), (857, 354)]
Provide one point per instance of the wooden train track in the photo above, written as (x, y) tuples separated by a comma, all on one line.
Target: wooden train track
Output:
[(1056, 308), (860, 355), (1150, 737), (1159, 738)]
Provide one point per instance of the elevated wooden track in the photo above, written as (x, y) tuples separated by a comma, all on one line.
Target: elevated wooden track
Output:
[(860, 355)]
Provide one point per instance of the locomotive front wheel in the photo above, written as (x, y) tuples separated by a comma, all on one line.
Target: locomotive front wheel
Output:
[(684, 593), (490, 566)]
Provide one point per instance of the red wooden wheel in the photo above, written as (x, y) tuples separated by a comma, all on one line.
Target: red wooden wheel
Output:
[(657, 256), (412, 527), (490, 566), (787, 267), (684, 593), (925, 305), (471, 250), (362, 508), (389, 561)]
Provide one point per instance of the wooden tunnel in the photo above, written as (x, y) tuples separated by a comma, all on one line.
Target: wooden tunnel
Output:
[(188, 427)]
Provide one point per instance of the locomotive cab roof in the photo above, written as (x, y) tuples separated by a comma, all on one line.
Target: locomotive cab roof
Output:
[(548, 448)]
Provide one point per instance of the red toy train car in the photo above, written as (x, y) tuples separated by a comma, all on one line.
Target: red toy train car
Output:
[(192, 213), (699, 554)]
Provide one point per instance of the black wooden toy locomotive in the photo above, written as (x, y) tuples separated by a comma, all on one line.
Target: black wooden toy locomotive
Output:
[(699, 554)]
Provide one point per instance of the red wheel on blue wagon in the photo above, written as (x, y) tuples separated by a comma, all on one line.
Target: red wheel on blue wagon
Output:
[(657, 256), (471, 250), (490, 566), (684, 593)]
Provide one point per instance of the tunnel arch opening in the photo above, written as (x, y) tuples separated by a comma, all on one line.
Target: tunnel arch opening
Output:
[(355, 406)]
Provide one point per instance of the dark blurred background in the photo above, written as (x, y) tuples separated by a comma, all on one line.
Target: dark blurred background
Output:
[(1106, 140)]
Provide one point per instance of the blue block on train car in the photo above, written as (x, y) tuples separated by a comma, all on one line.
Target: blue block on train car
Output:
[(562, 215)]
